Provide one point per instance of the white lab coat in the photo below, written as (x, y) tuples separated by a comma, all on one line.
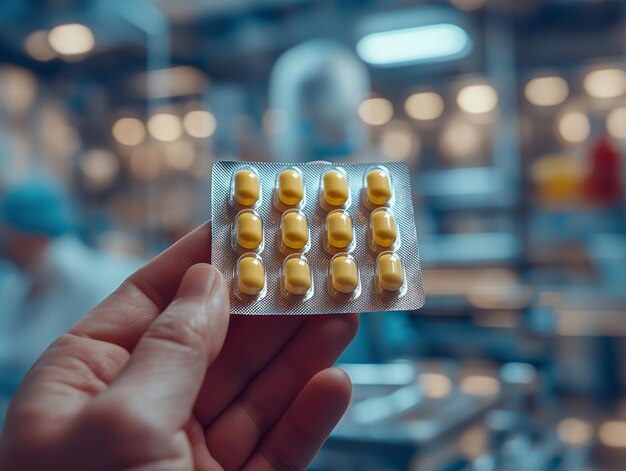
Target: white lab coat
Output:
[(81, 278)]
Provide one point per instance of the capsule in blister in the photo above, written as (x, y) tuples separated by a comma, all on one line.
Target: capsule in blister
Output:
[(247, 232), (289, 189), (334, 190), (296, 279), (343, 277), (383, 231), (338, 232), (245, 188), (294, 232), (378, 188), (389, 274), (250, 284)]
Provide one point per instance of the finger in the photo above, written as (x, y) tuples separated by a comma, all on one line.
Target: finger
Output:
[(165, 371), (124, 316), (302, 430), (237, 431), (251, 343)]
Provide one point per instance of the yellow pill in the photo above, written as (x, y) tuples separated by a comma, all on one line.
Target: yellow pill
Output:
[(297, 275), (390, 273), (344, 274), (378, 187), (249, 231), (247, 188), (290, 187), (383, 227), (335, 188), (251, 276), (295, 231), (339, 230)]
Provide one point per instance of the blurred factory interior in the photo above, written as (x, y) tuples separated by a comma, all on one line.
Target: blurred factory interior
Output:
[(512, 117)]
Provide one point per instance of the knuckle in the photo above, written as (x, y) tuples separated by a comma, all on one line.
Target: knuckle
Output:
[(179, 332)]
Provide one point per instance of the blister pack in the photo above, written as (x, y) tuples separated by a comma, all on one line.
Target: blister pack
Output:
[(315, 238)]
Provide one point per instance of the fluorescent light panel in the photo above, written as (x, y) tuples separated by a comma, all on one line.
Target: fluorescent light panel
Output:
[(433, 43)]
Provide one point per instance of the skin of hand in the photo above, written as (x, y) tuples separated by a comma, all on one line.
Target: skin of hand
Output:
[(159, 377)]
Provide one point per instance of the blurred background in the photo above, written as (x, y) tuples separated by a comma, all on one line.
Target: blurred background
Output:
[(511, 115)]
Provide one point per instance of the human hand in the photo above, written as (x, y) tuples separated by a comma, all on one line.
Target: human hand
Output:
[(160, 377)]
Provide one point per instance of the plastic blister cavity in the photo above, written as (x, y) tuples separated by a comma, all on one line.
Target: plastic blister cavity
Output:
[(316, 251)]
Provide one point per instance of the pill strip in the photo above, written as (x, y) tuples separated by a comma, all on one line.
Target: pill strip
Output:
[(373, 208)]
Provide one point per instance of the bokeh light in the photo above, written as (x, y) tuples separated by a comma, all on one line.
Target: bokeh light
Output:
[(435, 385), (165, 127), (574, 127), (71, 39), (605, 83), (199, 123), (546, 91), (616, 123), (99, 167), (375, 111), (575, 432), (477, 99), (612, 433), (399, 142), (480, 385), (460, 140), (424, 106), (38, 47), (129, 131), (180, 155)]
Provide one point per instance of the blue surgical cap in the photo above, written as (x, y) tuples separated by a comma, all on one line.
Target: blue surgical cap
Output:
[(36, 206)]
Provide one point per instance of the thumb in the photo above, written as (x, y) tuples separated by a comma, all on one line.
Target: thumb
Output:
[(168, 365)]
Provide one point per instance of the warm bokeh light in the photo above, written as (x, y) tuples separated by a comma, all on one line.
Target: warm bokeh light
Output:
[(165, 127), (616, 123), (575, 432), (547, 91), (424, 106), (38, 47), (477, 99), (574, 127), (180, 155), (460, 140), (145, 163), (605, 83), (375, 111), (468, 5), (71, 39), (129, 131), (480, 385), (613, 433), (199, 123), (100, 167), (399, 142), (18, 89), (435, 385)]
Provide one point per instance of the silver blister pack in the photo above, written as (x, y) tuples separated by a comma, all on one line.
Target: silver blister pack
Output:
[(233, 239)]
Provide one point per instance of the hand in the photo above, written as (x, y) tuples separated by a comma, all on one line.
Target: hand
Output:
[(160, 377)]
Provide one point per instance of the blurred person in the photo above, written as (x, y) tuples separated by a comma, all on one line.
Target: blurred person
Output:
[(56, 278), (160, 377)]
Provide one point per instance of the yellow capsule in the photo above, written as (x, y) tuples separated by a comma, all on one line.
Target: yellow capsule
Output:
[(344, 274), (378, 187), (390, 273), (383, 227), (247, 188), (290, 187), (297, 275), (295, 230), (335, 188), (249, 231), (339, 230), (251, 276)]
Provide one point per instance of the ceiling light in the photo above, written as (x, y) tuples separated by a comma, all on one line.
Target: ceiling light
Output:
[(546, 91), (165, 127), (605, 83), (199, 123), (38, 47), (71, 39), (477, 99), (405, 46), (129, 131), (375, 111), (574, 127), (616, 123), (424, 106)]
